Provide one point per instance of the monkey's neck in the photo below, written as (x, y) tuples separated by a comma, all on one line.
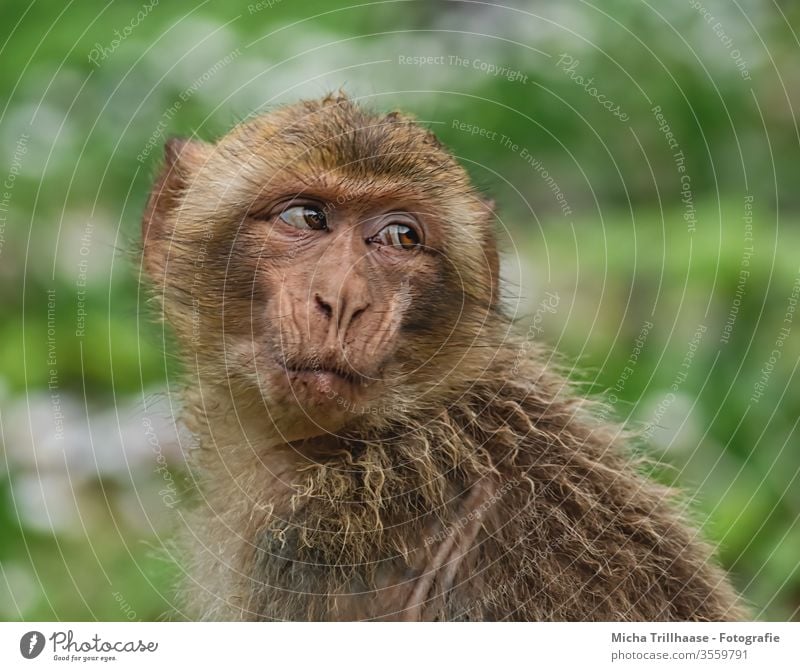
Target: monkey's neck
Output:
[(364, 513)]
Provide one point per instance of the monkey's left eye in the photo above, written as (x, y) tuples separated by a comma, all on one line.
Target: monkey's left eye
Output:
[(398, 235), (305, 216)]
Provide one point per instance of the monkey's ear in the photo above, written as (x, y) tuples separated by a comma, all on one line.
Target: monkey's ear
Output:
[(182, 158), (490, 250)]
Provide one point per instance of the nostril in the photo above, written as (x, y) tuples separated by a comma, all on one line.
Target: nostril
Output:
[(358, 312), (324, 306)]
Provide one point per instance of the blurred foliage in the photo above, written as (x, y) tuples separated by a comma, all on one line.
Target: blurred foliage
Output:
[(621, 258)]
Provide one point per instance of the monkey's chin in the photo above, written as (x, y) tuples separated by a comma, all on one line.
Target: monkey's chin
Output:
[(308, 403), (309, 408)]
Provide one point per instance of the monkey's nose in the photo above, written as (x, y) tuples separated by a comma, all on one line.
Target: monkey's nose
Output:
[(323, 305), (341, 313)]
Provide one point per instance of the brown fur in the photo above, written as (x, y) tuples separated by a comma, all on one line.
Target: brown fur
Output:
[(473, 485)]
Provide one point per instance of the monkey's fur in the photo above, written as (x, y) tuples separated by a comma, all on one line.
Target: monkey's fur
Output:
[(474, 485)]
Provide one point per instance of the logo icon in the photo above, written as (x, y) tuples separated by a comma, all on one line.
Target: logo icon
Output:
[(31, 644)]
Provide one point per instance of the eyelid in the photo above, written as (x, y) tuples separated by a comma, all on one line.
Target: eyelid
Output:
[(276, 208), (301, 202), (401, 218)]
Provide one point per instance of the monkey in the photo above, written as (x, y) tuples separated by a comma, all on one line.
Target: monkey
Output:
[(375, 439)]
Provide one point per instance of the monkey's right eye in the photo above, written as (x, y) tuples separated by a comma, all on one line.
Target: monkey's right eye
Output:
[(304, 217)]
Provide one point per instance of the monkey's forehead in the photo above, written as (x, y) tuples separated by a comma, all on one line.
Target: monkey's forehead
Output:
[(338, 137)]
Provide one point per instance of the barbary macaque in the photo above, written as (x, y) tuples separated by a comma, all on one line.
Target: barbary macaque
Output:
[(376, 440)]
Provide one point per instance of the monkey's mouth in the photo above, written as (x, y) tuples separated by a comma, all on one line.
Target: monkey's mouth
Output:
[(323, 381), (345, 376)]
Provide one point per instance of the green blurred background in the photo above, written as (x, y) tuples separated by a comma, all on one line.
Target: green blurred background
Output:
[(664, 266)]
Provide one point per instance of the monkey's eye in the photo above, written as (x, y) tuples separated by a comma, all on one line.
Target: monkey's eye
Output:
[(305, 216), (398, 235)]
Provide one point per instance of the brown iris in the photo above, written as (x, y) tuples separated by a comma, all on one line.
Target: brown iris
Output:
[(398, 235), (304, 216)]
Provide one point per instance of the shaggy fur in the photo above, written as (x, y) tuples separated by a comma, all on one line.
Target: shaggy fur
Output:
[(478, 487)]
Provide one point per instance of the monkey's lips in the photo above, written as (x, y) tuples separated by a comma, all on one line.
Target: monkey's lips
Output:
[(322, 385)]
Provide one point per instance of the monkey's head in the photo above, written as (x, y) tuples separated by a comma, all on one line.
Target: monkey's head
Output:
[(329, 262)]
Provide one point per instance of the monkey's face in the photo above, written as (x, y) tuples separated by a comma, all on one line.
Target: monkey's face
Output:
[(336, 262), (336, 288)]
